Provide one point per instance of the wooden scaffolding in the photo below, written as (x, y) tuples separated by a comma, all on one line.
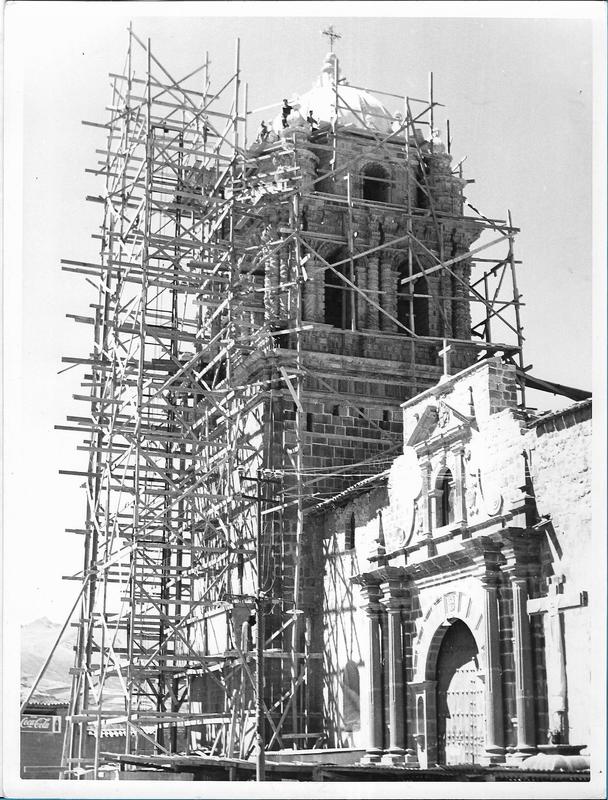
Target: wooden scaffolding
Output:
[(186, 499)]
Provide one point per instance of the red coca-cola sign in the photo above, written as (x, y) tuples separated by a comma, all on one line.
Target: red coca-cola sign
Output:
[(37, 724)]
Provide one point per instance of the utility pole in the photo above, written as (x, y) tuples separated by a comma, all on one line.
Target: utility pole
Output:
[(260, 767), (260, 604)]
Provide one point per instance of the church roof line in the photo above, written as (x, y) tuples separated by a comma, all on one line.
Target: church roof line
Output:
[(371, 482)]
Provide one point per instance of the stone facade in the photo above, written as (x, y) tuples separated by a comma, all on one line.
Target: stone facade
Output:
[(477, 537)]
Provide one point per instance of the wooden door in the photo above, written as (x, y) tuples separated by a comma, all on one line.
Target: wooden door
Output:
[(460, 699)]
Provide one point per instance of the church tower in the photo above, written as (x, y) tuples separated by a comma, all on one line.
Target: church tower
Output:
[(347, 214)]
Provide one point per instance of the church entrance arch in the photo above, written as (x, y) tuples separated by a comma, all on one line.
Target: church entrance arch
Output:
[(449, 681), (460, 698)]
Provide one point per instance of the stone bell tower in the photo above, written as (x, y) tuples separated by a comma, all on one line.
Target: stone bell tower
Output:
[(347, 213), (379, 208)]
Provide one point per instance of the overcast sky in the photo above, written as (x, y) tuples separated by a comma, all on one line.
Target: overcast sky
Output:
[(518, 94)]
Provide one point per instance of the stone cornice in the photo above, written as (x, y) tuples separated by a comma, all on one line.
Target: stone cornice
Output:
[(447, 439), (486, 557)]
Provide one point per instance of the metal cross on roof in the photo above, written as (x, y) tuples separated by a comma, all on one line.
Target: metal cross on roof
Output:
[(331, 35), (445, 351)]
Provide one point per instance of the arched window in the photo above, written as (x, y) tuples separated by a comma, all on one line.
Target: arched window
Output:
[(376, 184), (422, 197), (445, 498), (421, 307), (412, 299), (349, 543), (351, 697), (338, 299)]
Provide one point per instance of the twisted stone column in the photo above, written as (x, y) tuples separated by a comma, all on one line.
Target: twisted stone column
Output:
[(319, 289), (373, 285), (271, 285), (362, 304), (313, 295), (389, 277)]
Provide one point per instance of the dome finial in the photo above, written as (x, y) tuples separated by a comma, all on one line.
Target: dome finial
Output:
[(329, 70), (331, 35)]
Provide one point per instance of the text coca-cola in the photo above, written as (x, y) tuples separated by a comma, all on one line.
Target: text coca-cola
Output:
[(46, 724)]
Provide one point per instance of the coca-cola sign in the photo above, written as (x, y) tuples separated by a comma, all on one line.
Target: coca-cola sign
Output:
[(35, 724)]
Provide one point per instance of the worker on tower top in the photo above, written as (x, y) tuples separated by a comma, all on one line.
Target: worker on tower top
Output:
[(263, 132), (397, 122), (314, 125), (285, 112)]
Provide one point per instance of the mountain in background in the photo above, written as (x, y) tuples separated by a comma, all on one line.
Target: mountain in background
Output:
[(37, 639)]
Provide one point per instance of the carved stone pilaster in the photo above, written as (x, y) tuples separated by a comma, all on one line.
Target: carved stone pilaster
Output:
[(520, 557), (486, 554), (307, 162), (362, 304)]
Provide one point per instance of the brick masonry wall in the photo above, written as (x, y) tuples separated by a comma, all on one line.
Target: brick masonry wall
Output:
[(338, 436)]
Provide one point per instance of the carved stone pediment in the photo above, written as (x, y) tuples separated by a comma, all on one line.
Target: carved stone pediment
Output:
[(441, 421)]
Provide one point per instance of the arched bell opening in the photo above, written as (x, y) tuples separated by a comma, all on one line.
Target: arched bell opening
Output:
[(338, 298), (376, 183), (412, 302)]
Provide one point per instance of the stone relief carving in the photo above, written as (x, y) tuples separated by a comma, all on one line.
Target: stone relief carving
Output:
[(374, 231), (443, 414), (472, 494), (418, 519), (492, 500), (390, 226), (404, 487), (450, 603), (480, 492)]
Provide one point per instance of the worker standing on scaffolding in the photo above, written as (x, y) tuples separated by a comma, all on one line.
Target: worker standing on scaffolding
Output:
[(314, 125), (285, 112), (263, 132)]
